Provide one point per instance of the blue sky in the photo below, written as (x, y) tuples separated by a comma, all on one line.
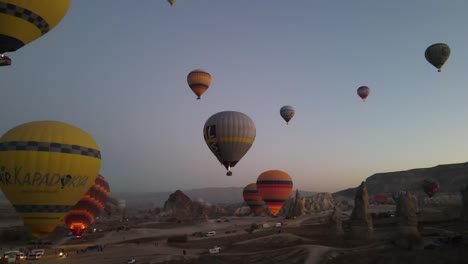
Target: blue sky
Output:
[(118, 70)]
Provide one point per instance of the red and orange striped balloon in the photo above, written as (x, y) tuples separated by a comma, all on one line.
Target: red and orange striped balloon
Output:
[(85, 212), (252, 198), (199, 81), (275, 187)]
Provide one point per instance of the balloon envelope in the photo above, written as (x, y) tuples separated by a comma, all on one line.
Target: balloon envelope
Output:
[(430, 187), (437, 54), (252, 198), (275, 187), (229, 135), (363, 92), (45, 168), (380, 198), (199, 81), (287, 112), (85, 212), (22, 21)]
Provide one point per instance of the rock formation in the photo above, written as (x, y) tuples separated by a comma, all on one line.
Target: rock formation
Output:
[(408, 236), (319, 202), (464, 209), (450, 177), (335, 224), (361, 220), (293, 207), (243, 211), (180, 208)]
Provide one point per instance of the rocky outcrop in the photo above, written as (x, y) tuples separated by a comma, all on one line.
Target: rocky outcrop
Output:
[(407, 236), (243, 211), (450, 177), (319, 202), (180, 208), (335, 224), (293, 207), (361, 220), (464, 209)]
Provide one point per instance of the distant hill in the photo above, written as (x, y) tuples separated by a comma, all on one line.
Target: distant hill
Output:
[(213, 195), (452, 177), (228, 195)]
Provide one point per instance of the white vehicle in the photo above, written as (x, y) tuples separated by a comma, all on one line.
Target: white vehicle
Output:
[(211, 233), (38, 251), (12, 256), (214, 250), (266, 225), (277, 224), (34, 256), (131, 261)]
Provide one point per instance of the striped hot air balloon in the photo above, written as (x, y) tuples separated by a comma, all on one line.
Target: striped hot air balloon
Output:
[(275, 187), (252, 198), (199, 81), (85, 212), (229, 135), (23, 21), (53, 165)]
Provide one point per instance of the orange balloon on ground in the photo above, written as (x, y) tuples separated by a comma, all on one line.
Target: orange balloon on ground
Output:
[(85, 212), (275, 187), (252, 198)]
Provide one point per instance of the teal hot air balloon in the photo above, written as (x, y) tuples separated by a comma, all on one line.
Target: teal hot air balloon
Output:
[(229, 135), (437, 54), (287, 112)]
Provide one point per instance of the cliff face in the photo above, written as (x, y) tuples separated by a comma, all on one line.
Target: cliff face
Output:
[(451, 178)]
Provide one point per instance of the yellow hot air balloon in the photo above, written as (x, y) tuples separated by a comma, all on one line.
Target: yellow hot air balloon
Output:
[(23, 21), (46, 167)]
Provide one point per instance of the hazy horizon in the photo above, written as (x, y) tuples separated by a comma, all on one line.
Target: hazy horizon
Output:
[(118, 71)]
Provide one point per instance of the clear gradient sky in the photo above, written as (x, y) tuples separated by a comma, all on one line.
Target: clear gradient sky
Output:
[(117, 69)]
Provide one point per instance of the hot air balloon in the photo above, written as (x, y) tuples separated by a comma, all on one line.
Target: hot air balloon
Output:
[(437, 54), (430, 187), (199, 81), (275, 187), (229, 135), (287, 112), (363, 92), (171, 2), (380, 198), (252, 198), (36, 161), (85, 212), (22, 22)]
